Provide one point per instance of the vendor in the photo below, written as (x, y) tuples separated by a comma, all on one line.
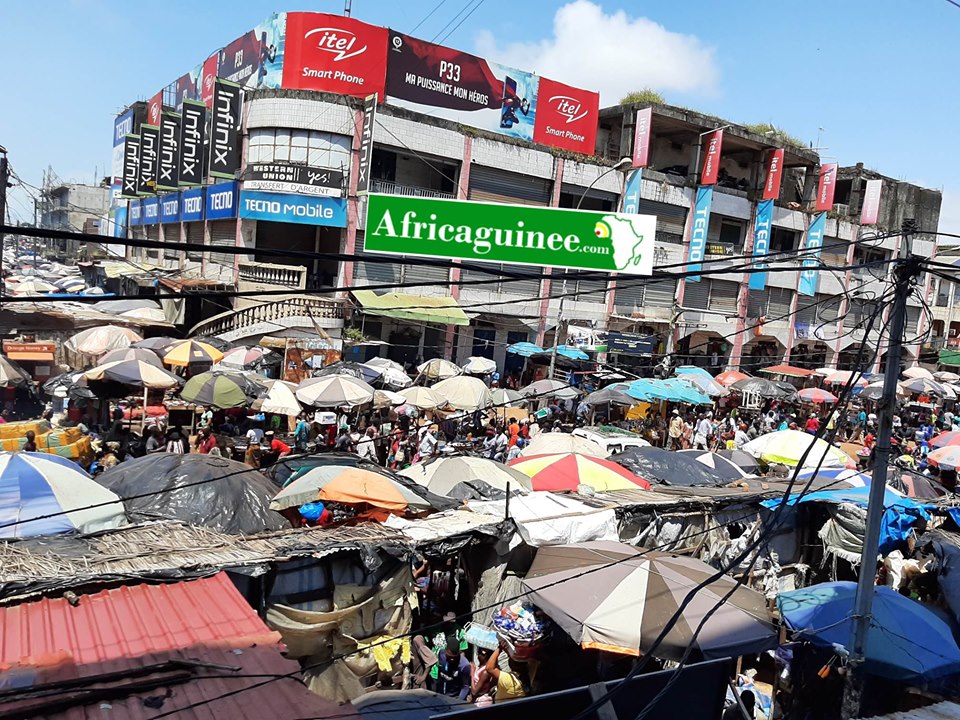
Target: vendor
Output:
[(511, 684), (275, 445)]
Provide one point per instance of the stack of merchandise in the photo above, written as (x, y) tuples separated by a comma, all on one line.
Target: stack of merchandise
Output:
[(522, 627)]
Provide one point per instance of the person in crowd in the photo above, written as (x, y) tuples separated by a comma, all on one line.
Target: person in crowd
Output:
[(252, 455), (154, 441), (206, 419), (367, 447), (31, 442), (675, 430), (428, 443), (301, 434), (812, 425), (703, 433), (740, 437), (513, 429), (176, 443), (274, 444), (482, 685), (206, 441), (514, 452), (343, 442), (255, 434), (453, 671), (510, 684)]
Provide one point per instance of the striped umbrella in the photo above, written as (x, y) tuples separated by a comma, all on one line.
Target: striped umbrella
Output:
[(945, 458), (438, 369), (136, 373), (184, 353), (156, 344), (788, 447), (614, 597), (840, 477), (567, 471), (816, 395), (946, 439), (336, 483), (221, 390), (33, 485), (98, 340), (333, 391), (466, 477), (245, 358), (132, 353)]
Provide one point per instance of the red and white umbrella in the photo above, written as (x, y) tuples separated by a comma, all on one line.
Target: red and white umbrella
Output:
[(816, 395), (945, 458), (244, 358)]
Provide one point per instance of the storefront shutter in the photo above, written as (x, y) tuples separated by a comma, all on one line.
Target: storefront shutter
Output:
[(194, 236), (697, 295), (368, 273), (757, 303), (491, 185), (629, 295), (779, 305), (661, 294), (223, 233), (671, 219), (723, 296)]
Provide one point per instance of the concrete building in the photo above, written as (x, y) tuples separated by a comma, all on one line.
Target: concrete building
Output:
[(74, 207)]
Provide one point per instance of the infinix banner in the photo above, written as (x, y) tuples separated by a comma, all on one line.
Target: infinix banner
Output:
[(698, 231), (225, 129), (761, 243), (193, 128), (131, 166), (149, 154), (809, 276), (169, 158)]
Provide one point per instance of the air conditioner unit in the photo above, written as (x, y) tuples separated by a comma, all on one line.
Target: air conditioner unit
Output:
[(842, 210)]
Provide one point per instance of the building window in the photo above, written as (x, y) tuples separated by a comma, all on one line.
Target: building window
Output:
[(299, 147), (784, 240)]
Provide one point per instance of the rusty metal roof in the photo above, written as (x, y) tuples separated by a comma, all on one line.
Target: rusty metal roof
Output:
[(126, 629)]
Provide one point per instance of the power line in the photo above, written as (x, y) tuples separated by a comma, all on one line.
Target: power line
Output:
[(462, 21), (428, 16)]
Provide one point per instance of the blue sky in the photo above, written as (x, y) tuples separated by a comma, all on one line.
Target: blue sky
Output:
[(875, 75)]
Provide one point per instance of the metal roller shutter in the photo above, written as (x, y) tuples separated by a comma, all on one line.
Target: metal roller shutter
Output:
[(779, 305), (577, 191), (671, 219), (661, 294), (829, 308), (629, 295), (153, 233), (491, 185), (524, 288), (171, 235), (367, 273), (757, 303), (194, 237), (913, 317), (223, 233), (697, 295), (723, 296), (426, 273), (807, 315)]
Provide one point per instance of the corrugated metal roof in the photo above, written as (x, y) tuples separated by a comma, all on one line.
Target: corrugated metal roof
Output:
[(127, 628), (939, 711)]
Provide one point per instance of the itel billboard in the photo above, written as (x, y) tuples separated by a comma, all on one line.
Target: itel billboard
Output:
[(567, 117), (334, 54)]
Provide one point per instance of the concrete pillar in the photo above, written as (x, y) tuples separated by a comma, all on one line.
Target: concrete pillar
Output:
[(463, 185), (795, 301), (673, 337), (350, 237), (845, 302), (743, 297), (545, 283)]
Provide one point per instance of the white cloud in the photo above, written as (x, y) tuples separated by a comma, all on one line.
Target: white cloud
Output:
[(613, 53)]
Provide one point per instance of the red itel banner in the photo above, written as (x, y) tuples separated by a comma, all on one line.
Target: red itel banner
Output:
[(567, 117), (335, 54), (827, 187), (207, 76), (712, 144), (771, 187), (154, 109), (641, 138), (870, 210)]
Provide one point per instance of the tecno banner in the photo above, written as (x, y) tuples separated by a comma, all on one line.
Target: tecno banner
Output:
[(698, 231), (122, 126), (130, 180), (225, 129), (298, 209), (169, 159), (567, 117), (515, 234), (463, 87), (193, 127), (149, 155), (809, 275), (255, 59), (761, 242), (334, 54)]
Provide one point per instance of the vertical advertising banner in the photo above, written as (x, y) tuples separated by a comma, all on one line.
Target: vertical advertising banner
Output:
[(193, 127), (149, 156), (771, 185), (366, 144), (826, 188), (761, 242), (330, 53), (810, 275), (712, 144), (255, 59), (154, 108), (870, 210), (122, 126), (225, 129), (567, 117), (631, 192), (208, 74), (441, 81), (641, 138), (129, 182), (698, 231), (168, 163), (186, 87)]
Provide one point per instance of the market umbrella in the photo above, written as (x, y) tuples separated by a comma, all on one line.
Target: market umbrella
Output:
[(438, 369), (759, 386), (403, 705), (345, 367), (384, 363), (156, 344), (609, 395), (115, 307), (136, 373), (843, 377), (349, 485), (816, 395), (248, 358), (219, 343), (505, 397), (873, 391), (550, 389), (387, 398), (184, 353), (693, 370), (479, 366), (71, 284), (12, 375), (924, 386), (744, 461), (787, 371), (524, 349), (279, 398), (72, 384), (468, 478), (98, 340), (918, 372), (723, 467), (33, 287), (555, 442), (36, 484), (394, 377), (668, 468), (220, 390), (788, 446), (945, 376), (464, 393), (913, 484), (945, 458), (567, 471), (132, 353), (150, 315), (614, 597), (423, 398), (836, 477), (905, 640), (951, 437), (706, 385), (204, 490), (334, 391), (567, 351)]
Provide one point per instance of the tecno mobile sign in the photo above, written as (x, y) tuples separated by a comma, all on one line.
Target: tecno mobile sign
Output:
[(520, 234)]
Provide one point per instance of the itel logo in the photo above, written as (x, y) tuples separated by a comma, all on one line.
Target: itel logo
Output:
[(571, 108), (154, 114), (339, 43), (208, 83)]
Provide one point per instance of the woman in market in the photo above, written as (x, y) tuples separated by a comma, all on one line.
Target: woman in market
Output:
[(510, 684)]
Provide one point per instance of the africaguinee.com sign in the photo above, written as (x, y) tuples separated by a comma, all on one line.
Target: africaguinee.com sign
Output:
[(521, 234)]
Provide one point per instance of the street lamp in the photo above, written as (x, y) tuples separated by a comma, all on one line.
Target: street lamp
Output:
[(622, 164)]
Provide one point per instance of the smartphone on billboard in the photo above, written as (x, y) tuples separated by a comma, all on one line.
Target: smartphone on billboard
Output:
[(508, 112)]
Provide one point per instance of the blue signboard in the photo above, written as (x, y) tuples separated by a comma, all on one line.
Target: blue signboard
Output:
[(631, 192), (221, 201), (135, 212), (302, 209), (120, 222), (761, 243), (191, 205), (811, 259), (170, 208), (698, 231), (151, 210)]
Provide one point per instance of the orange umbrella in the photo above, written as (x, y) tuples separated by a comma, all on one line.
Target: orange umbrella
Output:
[(335, 483), (189, 352), (729, 377)]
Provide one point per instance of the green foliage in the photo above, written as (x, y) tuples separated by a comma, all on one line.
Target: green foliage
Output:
[(776, 133), (353, 335), (645, 96)]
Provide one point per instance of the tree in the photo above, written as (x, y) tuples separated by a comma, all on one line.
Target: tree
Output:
[(645, 96)]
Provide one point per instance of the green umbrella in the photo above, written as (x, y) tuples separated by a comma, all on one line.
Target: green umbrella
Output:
[(220, 390)]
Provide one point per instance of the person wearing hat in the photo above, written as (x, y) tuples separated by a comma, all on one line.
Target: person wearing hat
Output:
[(675, 430), (274, 444), (514, 451), (428, 442)]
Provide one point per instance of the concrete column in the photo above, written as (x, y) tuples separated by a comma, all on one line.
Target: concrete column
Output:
[(350, 238), (463, 184), (244, 148), (795, 302), (743, 297), (886, 312), (673, 339), (545, 283)]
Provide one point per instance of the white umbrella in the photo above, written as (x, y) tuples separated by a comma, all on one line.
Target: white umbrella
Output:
[(550, 388), (706, 385), (438, 369), (382, 363), (464, 393), (149, 314), (99, 340), (33, 287), (423, 398), (12, 375), (479, 366), (134, 372), (918, 372), (467, 477), (334, 391), (280, 399), (387, 398), (392, 376), (555, 443), (504, 396), (945, 376)]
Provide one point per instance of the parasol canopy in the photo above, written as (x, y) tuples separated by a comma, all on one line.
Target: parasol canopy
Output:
[(945, 376), (421, 397), (505, 397), (614, 597), (155, 344), (184, 353), (464, 393), (33, 287), (136, 373), (524, 349), (744, 461), (467, 478), (349, 485), (706, 385), (116, 307), (918, 372), (344, 367), (12, 375), (280, 398), (667, 467), (729, 377), (945, 458), (787, 371), (383, 363), (550, 389), (924, 386), (833, 477), (693, 370), (221, 390), (816, 395), (905, 640), (723, 467), (387, 398), (567, 471), (944, 439), (479, 366), (132, 353), (759, 386), (438, 369), (392, 376), (842, 377), (334, 391), (609, 395), (99, 340), (553, 443), (248, 358), (34, 484), (788, 446), (150, 315)]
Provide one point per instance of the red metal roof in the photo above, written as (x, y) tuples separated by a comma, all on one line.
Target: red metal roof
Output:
[(125, 628)]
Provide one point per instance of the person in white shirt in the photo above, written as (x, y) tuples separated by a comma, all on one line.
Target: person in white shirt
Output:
[(367, 447), (514, 452), (255, 434), (428, 443), (702, 433), (740, 437)]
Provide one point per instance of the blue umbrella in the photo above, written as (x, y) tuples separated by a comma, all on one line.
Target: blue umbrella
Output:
[(524, 349), (571, 353), (693, 370), (905, 641), (841, 477)]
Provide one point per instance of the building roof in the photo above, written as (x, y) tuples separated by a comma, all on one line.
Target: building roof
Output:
[(217, 642), (403, 306)]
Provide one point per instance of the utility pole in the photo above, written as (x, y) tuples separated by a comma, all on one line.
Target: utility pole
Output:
[(4, 184), (905, 271)]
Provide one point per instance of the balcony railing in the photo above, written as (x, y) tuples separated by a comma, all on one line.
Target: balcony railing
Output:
[(317, 309), (288, 276), (392, 188)]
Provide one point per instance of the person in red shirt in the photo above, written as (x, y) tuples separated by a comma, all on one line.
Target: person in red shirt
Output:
[(273, 444), (206, 441), (813, 424), (513, 431)]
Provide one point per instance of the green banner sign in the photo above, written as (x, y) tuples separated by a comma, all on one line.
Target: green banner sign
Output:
[(522, 234)]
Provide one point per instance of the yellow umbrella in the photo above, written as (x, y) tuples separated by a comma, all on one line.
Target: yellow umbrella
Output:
[(567, 471), (184, 353)]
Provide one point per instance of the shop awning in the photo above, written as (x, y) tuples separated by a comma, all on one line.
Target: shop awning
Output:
[(30, 355), (400, 306), (949, 357), (787, 370)]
